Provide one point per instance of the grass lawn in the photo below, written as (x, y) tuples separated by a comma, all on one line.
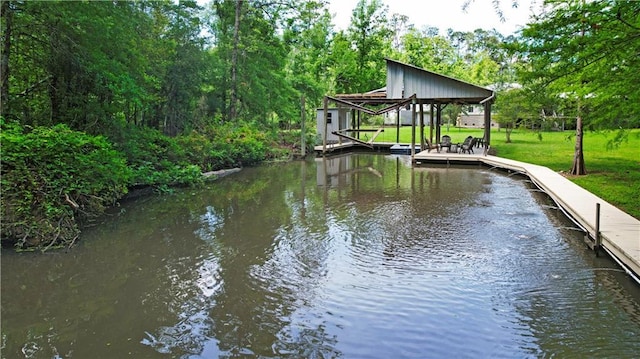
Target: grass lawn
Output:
[(613, 173)]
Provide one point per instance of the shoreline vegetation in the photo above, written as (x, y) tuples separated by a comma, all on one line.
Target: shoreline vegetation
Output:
[(48, 194), (56, 180), (99, 99)]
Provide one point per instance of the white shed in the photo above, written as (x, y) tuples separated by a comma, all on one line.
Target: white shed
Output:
[(337, 119)]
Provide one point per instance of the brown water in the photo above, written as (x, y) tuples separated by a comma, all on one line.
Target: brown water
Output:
[(359, 256)]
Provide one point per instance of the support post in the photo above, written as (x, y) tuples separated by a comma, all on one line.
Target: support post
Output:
[(598, 239), (326, 118), (398, 126), (422, 147), (339, 119), (413, 129), (438, 121), (353, 118), (303, 140), (487, 126), (431, 123), (358, 133)]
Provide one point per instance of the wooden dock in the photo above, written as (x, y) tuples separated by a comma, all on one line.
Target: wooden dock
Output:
[(349, 146), (619, 232)]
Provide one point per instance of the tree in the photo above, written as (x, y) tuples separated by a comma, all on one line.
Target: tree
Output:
[(6, 21), (370, 37), (342, 65), (307, 37), (257, 56), (427, 49), (234, 61), (514, 106), (587, 50), (181, 70)]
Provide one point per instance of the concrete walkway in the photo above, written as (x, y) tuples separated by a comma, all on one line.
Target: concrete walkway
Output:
[(620, 232)]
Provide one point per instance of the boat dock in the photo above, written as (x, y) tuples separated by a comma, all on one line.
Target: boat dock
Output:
[(618, 232), (607, 227)]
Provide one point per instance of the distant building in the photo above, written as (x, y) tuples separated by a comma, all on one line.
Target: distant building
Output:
[(391, 118), (472, 116)]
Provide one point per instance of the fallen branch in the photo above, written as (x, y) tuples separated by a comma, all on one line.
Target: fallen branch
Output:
[(71, 202), (72, 242)]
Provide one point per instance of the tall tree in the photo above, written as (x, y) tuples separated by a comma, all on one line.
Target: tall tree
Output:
[(427, 49), (6, 21), (307, 37), (371, 37), (73, 63), (234, 61), (343, 65), (587, 50), (259, 60), (181, 72)]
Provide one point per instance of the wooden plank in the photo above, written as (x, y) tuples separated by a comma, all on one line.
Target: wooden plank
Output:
[(357, 140), (376, 134)]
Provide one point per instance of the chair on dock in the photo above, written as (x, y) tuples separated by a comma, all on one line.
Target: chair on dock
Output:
[(431, 146), (445, 142), (467, 145)]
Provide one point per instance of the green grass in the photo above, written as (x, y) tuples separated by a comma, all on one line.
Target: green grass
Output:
[(613, 174)]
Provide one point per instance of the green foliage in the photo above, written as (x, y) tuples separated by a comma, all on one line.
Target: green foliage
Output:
[(52, 177), (587, 51), (514, 108), (155, 159), (234, 146), (371, 36), (136, 72)]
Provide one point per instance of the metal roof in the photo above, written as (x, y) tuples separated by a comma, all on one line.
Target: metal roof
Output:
[(404, 80)]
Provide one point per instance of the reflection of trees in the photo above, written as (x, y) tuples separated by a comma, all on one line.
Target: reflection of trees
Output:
[(94, 294), (259, 272), (239, 269)]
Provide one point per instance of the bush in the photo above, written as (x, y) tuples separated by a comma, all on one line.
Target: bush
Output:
[(51, 179), (156, 160), (233, 145)]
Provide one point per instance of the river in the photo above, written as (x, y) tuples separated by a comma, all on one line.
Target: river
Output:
[(356, 256)]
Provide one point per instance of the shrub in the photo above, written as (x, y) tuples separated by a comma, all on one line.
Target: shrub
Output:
[(156, 160), (51, 179), (234, 145)]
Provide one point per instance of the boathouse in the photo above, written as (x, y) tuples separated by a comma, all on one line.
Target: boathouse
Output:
[(410, 87)]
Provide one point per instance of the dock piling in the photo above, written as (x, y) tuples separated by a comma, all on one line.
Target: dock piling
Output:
[(598, 239)]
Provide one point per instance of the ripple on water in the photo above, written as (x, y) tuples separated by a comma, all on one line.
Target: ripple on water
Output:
[(421, 263)]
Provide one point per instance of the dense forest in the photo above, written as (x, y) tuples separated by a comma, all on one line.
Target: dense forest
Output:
[(101, 97)]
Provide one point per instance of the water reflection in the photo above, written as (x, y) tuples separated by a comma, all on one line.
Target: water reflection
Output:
[(352, 256)]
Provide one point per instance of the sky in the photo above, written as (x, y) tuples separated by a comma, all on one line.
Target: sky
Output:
[(445, 14)]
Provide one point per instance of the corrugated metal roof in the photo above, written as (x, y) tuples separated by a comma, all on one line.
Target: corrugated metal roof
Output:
[(404, 80)]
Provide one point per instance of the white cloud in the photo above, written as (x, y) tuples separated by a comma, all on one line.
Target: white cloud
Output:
[(445, 14)]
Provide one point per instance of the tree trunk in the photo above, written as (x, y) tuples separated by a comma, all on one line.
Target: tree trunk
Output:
[(578, 167), (6, 20), (234, 64)]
